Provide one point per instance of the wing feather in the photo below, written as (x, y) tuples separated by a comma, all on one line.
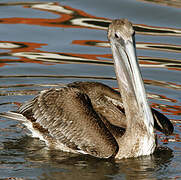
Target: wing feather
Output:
[(69, 117)]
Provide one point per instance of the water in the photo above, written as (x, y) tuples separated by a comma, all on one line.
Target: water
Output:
[(49, 44)]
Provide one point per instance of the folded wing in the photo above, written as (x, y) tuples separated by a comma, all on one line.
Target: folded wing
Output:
[(68, 116)]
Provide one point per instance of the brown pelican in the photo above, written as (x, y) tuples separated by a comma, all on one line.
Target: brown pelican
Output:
[(92, 118)]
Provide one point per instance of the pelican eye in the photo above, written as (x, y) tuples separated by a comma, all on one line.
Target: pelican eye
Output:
[(116, 36)]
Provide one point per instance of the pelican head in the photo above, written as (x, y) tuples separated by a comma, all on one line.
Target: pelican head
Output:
[(121, 37)]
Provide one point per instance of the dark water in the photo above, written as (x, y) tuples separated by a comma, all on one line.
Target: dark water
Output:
[(48, 44)]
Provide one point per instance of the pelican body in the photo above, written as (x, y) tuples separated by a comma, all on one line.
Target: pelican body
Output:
[(92, 118)]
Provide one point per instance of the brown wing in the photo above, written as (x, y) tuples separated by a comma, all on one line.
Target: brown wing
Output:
[(69, 117), (105, 100)]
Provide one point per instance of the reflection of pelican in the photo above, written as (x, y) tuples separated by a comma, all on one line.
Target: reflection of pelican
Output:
[(92, 118)]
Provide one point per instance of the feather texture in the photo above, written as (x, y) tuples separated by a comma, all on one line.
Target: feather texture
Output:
[(79, 127)]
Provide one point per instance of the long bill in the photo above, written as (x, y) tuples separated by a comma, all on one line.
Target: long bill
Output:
[(130, 80)]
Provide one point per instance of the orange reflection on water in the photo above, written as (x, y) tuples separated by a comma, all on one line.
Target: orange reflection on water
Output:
[(163, 84), (21, 46), (65, 20), (161, 97), (168, 109), (172, 3), (28, 52), (16, 47), (75, 18), (91, 42)]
